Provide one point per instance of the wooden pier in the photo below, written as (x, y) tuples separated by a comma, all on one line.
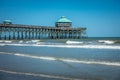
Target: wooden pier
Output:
[(21, 32), (9, 31)]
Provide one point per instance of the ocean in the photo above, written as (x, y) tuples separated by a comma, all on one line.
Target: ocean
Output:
[(66, 59)]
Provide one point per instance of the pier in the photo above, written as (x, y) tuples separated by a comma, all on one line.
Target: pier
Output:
[(62, 30)]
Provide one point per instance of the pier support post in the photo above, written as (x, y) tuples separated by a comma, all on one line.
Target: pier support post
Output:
[(0, 33)]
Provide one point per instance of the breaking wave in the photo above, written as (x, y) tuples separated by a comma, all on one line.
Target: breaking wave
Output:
[(5, 41), (38, 75), (106, 41), (63, 59), (65, 46), (73, 42)]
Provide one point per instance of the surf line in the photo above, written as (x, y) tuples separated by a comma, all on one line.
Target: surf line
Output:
[(67, 46), (62, 59), (39, 75)]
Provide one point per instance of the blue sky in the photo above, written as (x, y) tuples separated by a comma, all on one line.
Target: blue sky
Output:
[(101, 17)]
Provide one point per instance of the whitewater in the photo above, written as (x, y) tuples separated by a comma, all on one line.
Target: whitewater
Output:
[(65, 46)]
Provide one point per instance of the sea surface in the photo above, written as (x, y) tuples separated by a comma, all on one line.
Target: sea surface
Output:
[(76, 59)]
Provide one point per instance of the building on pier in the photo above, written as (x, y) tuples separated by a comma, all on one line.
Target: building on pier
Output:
[(7, 22), (63, 22), (62, 30)]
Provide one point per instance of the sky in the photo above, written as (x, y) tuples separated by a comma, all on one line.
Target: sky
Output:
[(100, 17)]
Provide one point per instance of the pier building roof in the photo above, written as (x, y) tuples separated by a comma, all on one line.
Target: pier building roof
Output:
[(7, 21)]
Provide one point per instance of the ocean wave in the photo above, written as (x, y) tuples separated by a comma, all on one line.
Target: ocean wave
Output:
[(106, 41), (66, 46), (21, 41), (73, 42), (64, 59), (39, 75), (32, 41), (5, 41)]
